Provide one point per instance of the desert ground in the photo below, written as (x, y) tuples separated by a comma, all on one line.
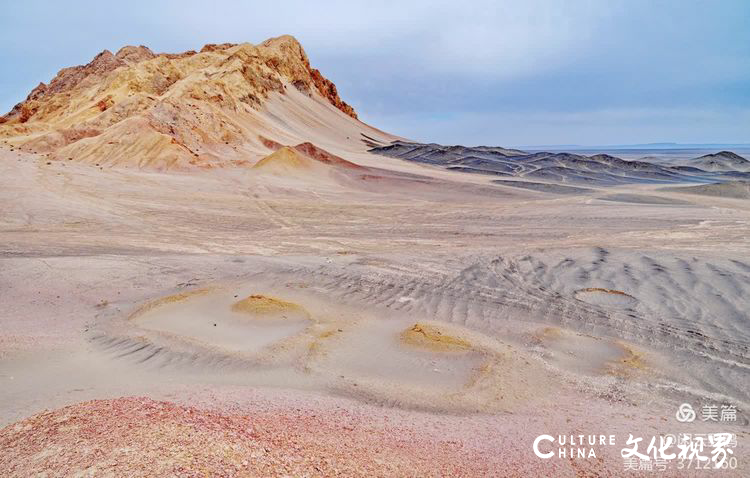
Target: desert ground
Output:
[(121, 283), (355, 314)]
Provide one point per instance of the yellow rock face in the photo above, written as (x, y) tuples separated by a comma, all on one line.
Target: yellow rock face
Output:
[(162, 111)]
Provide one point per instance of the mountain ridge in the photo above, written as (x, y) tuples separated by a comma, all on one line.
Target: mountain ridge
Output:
[(182, 110), (565, 167), (105, 61)]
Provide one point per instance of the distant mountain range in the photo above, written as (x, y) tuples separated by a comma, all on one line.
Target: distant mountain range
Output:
[(572, 168), (575, 147)]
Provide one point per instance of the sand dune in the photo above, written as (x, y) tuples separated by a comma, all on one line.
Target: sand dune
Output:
[(686, 308), (676, 314), (305, 160)]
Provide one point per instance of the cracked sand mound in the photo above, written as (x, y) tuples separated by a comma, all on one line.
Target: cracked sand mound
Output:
[(217, 321), (587, 355), (269, 307), (428, 366), (295, 337)]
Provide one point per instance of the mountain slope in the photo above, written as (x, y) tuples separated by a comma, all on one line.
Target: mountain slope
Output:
[(221, 106), (729, 189), (721, 161)]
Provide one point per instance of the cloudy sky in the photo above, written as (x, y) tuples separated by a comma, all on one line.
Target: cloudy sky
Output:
[(511, 73)]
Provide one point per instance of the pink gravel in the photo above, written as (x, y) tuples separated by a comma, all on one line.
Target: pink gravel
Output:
[(245, 433), (143, 437)]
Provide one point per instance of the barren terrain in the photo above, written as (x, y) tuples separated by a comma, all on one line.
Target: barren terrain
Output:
[(319, 309)]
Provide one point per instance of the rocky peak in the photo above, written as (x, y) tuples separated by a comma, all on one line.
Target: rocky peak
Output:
[(217, 46), (134, 54), (191, 108), (283, 56), (65, 80), (290, 49)]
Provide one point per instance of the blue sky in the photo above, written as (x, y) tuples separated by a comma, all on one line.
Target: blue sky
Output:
[(471, 72)]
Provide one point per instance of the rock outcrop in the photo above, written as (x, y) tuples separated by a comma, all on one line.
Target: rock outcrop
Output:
[(216, 107)]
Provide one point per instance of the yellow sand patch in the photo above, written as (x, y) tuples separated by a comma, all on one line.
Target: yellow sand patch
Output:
[(479, 373), (297, 285), (593, 355), (316, 345), (549, 333), (630, 363), (285, 159), (430, 337), (264, 306), (170, 299), (546, 335)]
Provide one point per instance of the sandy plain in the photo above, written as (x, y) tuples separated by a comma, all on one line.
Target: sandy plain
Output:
[(427, 323)]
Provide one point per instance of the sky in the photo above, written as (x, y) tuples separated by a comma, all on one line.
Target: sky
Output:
[(510, 73)]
